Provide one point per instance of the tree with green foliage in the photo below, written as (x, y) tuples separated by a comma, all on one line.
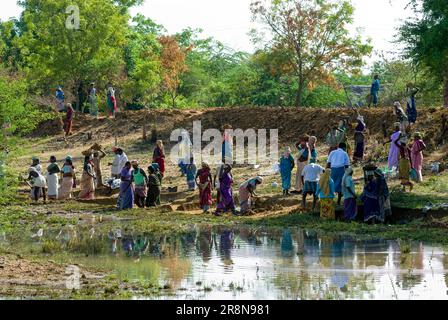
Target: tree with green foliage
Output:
[(314, 35), (142, 63), (425, 37), (53, 54)]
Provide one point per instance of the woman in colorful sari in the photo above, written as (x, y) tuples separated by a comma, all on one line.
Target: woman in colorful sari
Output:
[(358, 155), (87, 180), (205, 184), (349, 192), (325, 192), (159, 156), (140, 181), (302, 160), (370, 199), (68, 179), (126, 197), (154, 188), (92, 100), (68, 122), (417, 155), (227, 201), (247, 192), (286, 167), (404, 167), (111, 101), (60, 98), (394, 152), (53, 171)]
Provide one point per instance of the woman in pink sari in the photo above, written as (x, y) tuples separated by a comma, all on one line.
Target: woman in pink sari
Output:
[(417, 155), (394, 152)]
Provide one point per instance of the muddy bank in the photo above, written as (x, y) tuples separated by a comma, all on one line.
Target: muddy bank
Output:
[(291, 122)]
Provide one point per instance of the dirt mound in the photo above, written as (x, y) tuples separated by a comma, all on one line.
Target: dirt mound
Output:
[(48, 128), (291, 123), (274, 203), (189, 206)]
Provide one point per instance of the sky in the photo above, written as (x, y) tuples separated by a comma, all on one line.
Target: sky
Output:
[(229, 21)]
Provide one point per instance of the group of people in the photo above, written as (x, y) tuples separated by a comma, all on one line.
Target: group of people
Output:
[(86, 102), (325, 184), (335, 181), (406, 154)]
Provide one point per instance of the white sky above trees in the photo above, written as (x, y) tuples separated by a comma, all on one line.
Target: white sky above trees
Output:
[(229, 21)]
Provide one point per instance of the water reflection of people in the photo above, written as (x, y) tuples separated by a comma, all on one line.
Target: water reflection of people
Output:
[(204, 244), (339, 278), (287, 245), (411, 262), (128, 244), (225, 247), (311, 247), (140, 245)]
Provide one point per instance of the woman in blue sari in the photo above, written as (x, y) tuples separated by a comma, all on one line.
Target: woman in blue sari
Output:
[(126, 198), (286, 167)]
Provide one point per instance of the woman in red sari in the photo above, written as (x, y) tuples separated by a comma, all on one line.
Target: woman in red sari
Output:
[(159, 157), (69, 120), (205, 187)]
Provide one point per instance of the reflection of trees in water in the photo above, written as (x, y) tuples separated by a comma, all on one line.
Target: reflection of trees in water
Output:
[(445, 267), (410, 262), (177, 267), (372, 253)]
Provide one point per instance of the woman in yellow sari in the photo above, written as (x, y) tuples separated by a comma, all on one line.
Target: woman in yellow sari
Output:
[(87, 181), (325, 192)]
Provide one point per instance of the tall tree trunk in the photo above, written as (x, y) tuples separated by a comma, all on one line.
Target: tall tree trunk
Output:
[(445, 93)]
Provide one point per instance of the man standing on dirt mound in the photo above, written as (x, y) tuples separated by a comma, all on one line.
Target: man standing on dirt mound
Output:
[(374, 90)]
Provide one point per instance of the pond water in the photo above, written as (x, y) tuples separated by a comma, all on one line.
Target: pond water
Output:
[(249, 263)]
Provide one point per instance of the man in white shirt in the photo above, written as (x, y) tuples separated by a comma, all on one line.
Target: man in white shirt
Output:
[(310, 178), (338, 161), (119, 162)]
